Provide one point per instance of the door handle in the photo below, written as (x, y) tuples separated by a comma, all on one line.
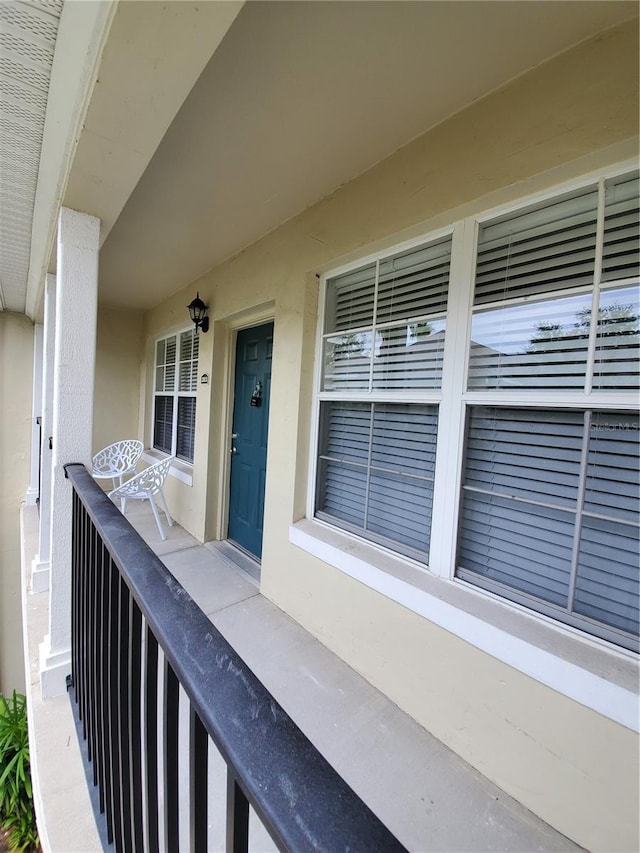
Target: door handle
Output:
[(234, 450)]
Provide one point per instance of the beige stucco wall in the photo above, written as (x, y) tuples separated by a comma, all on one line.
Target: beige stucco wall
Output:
[(573, 767), (119, 351), (16, 386)]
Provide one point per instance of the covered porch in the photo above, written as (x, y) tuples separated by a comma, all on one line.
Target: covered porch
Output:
[(329, 178)]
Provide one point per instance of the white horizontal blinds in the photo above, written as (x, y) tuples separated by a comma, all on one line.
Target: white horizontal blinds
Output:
[(349, 306), (411, 306), (533, 335), (375, 470), (166, 364), (519, 499), (350, 300), (550, 513), (170, 365), (409, 357), (608, 575), (531, 346), (391, 323), (163, 423), (616, 362), (347, 361), (176, 382), (621, 243), (161, 347), (546, 248), (414, 283), (617, 355), (165, 380), (185, 439), (188, 371)]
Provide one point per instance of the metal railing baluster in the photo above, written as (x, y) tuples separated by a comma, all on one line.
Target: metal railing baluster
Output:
[(107, 739), (237, 816), (198, 783), (171, 798), (123, 713), (114, 704), (151, 739), (135, 727)]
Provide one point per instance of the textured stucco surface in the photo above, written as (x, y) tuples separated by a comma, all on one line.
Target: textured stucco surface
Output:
[(573, 767), (16, 382), (117, 377)]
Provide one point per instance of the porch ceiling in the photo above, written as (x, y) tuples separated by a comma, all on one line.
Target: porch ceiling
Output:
[(297, 99)]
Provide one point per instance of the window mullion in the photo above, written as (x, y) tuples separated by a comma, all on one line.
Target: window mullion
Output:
[(595, 300), (446, 487), (174, 424), (373, 405)]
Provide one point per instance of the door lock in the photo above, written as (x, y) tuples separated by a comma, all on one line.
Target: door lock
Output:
[(234, 449)]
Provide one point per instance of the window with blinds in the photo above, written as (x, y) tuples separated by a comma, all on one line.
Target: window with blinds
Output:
[(383, 336), (176, 378), (549, 514), (549, 504), (385, 323), (163, 423), (541, 300), (186, 431), (545, 507), (376, 466)]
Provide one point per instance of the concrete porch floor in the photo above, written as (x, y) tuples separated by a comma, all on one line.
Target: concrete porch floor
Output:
[(427, 796)]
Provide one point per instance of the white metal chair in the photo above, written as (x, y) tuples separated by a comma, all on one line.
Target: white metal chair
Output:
[(143, 487), (117, 460)]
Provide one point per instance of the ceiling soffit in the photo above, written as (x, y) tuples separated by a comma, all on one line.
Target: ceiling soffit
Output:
[(302, 97), (28, 34)]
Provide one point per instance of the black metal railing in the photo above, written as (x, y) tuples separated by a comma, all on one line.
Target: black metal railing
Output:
[(39, 425), (128, 614)]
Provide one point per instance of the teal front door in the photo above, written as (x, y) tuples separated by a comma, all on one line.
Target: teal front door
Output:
[(249, 439)]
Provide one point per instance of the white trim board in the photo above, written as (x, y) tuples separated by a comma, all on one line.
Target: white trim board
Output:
[(611, 700)]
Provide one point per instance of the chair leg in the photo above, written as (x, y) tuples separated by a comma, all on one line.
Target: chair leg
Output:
[(165, 507), (157, 517)]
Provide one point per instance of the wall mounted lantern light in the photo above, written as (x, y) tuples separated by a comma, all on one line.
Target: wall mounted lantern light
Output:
[(198, 313)]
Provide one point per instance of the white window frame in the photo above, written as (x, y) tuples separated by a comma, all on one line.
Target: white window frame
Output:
[(433, 398), (387, 571), (175, 394)]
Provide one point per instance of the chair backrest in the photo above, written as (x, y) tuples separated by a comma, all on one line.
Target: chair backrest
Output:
[(118, 458), (147, 482)]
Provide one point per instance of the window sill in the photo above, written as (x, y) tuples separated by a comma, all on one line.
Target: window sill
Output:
[(180, 470), (587, 670)]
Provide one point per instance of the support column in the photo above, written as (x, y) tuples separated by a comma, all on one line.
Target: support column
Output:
[(33, 492), (75, 347), (41, 564)]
